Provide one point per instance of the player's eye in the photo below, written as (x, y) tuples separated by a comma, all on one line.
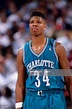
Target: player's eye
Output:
[(38, 22), (31, 21)]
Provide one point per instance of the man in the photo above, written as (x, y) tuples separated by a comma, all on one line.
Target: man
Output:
[(41, 92)]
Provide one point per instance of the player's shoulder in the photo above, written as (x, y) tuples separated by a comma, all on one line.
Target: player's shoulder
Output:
[(23, 47), (60, 50), (59, 46), (20, 51)]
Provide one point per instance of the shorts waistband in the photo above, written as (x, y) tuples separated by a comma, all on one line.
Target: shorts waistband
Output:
[(42, 92)]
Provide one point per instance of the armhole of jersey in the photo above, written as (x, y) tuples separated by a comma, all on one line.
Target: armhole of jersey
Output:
[(54, 44), (23, 54)]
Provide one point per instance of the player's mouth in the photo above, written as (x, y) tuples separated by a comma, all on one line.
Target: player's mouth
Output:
[(34, 29)]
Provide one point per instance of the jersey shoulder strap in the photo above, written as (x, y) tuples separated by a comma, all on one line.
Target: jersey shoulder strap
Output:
[(51, 42)]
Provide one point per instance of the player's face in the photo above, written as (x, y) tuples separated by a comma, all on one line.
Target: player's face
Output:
[(37, 26)]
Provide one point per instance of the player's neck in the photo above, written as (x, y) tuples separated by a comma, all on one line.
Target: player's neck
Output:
[(37, 41)]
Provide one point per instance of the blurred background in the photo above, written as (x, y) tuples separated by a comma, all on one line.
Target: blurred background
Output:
[(14, 33)]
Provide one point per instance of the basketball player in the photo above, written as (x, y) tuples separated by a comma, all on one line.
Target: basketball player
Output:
[(41, 92)]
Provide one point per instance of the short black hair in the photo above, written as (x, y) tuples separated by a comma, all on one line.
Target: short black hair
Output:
[(38, 13)]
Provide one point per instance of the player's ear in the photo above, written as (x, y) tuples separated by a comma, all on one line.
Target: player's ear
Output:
[(45, 27)]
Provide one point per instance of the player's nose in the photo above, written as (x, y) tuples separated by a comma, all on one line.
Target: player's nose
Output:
[(34, 24)]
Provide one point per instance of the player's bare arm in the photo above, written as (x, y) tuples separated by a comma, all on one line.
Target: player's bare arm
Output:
[(64, 65), (20, 87)]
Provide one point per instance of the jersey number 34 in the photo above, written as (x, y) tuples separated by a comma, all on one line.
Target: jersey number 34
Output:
[(45, 78)]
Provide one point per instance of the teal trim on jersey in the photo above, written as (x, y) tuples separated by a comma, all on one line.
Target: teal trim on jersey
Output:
[(54, 49), (23, 54)]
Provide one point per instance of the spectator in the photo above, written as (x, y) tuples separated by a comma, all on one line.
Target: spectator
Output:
[(20, 37), (66, 41)]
